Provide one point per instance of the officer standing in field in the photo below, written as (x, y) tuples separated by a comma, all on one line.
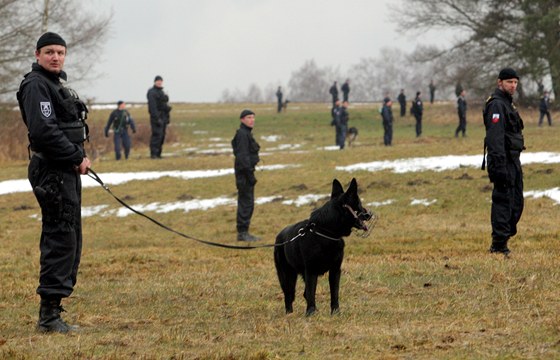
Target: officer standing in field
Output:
[(462, 112), (387, 115), (402, 102), (159, 116), (120, 119), (279, 98), (246, 151), (417, 110), (544, 110), (345, 90), (342, 125), (432, 88), (55, 119), (334, 92), (504, 141)]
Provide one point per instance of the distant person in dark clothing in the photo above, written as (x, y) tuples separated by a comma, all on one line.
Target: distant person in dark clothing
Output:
[(402, 101), (417, 110), (334, 112), (544, 109), (342, 125), (432, 91), (345, 90), (462, 112), (159, 116), (246, 151), (279, 97), (120, 119), (334, 92), (387, 115), (504, 141)]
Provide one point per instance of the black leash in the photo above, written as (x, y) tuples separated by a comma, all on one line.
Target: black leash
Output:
[(92, 174)]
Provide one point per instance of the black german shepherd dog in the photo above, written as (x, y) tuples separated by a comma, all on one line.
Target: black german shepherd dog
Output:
[(314, 246)]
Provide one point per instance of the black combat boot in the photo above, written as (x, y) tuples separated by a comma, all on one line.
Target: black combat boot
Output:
[(245, 236), (49, 317), (499, 246)]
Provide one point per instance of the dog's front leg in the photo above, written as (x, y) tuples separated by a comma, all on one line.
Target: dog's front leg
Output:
[(309, 294), (334, 284)]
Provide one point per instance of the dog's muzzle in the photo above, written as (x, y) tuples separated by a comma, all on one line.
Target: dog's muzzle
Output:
[(365, 221)]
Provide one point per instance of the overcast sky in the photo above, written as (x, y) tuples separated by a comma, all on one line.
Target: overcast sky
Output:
[(201, 47)]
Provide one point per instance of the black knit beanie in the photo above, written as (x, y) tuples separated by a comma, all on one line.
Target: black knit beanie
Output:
[(245, 113), (50, 38)]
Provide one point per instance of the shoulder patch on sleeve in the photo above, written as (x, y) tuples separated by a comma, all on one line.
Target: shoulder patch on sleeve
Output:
[(495, 118), (46, 109)]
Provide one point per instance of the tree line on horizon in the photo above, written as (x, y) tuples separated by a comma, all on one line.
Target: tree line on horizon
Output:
[(490, 35)]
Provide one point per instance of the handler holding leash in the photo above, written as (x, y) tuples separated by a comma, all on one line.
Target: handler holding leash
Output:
[(55, 118)]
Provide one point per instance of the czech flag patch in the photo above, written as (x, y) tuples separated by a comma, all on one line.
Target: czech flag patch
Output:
[(495, 118)]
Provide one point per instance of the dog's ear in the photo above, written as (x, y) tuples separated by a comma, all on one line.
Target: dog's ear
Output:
[(353, 188), (337, 189)]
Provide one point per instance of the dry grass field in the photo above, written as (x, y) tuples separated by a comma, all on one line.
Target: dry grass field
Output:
[(422, 286)]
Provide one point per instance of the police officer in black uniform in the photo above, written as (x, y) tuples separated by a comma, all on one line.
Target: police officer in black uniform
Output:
[(417, 110), (334, 92), (246, 151), (504, 142), (55, 119), (462, 112), (345, 90), (279, 98), (402, 102), (342, 125), (387, 116), (159, 110)]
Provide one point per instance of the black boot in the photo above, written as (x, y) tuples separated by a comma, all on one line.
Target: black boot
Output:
[(245, 236), (49, 317), (499, 246)]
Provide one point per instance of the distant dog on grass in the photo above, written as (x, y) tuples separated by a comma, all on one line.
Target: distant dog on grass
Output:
[(315, 246), (351, 135)]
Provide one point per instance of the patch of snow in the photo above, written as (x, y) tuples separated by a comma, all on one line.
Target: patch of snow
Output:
[(424, 202)]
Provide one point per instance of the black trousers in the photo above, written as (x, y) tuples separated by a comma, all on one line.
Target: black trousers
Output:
[(157, 138), (387, 133), (462, 127), (418, 124), (245, 201), (542, 115), (507, 203), (403, 109), (58, 191)]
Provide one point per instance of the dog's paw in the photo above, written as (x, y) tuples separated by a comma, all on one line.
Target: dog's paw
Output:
[(311, 311), (335, 311)]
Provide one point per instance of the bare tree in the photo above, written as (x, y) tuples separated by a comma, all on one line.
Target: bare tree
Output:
[(492, 34), (23, 21), (311, 83)]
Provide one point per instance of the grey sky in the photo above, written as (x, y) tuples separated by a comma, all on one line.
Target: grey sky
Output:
[(201, 48)]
